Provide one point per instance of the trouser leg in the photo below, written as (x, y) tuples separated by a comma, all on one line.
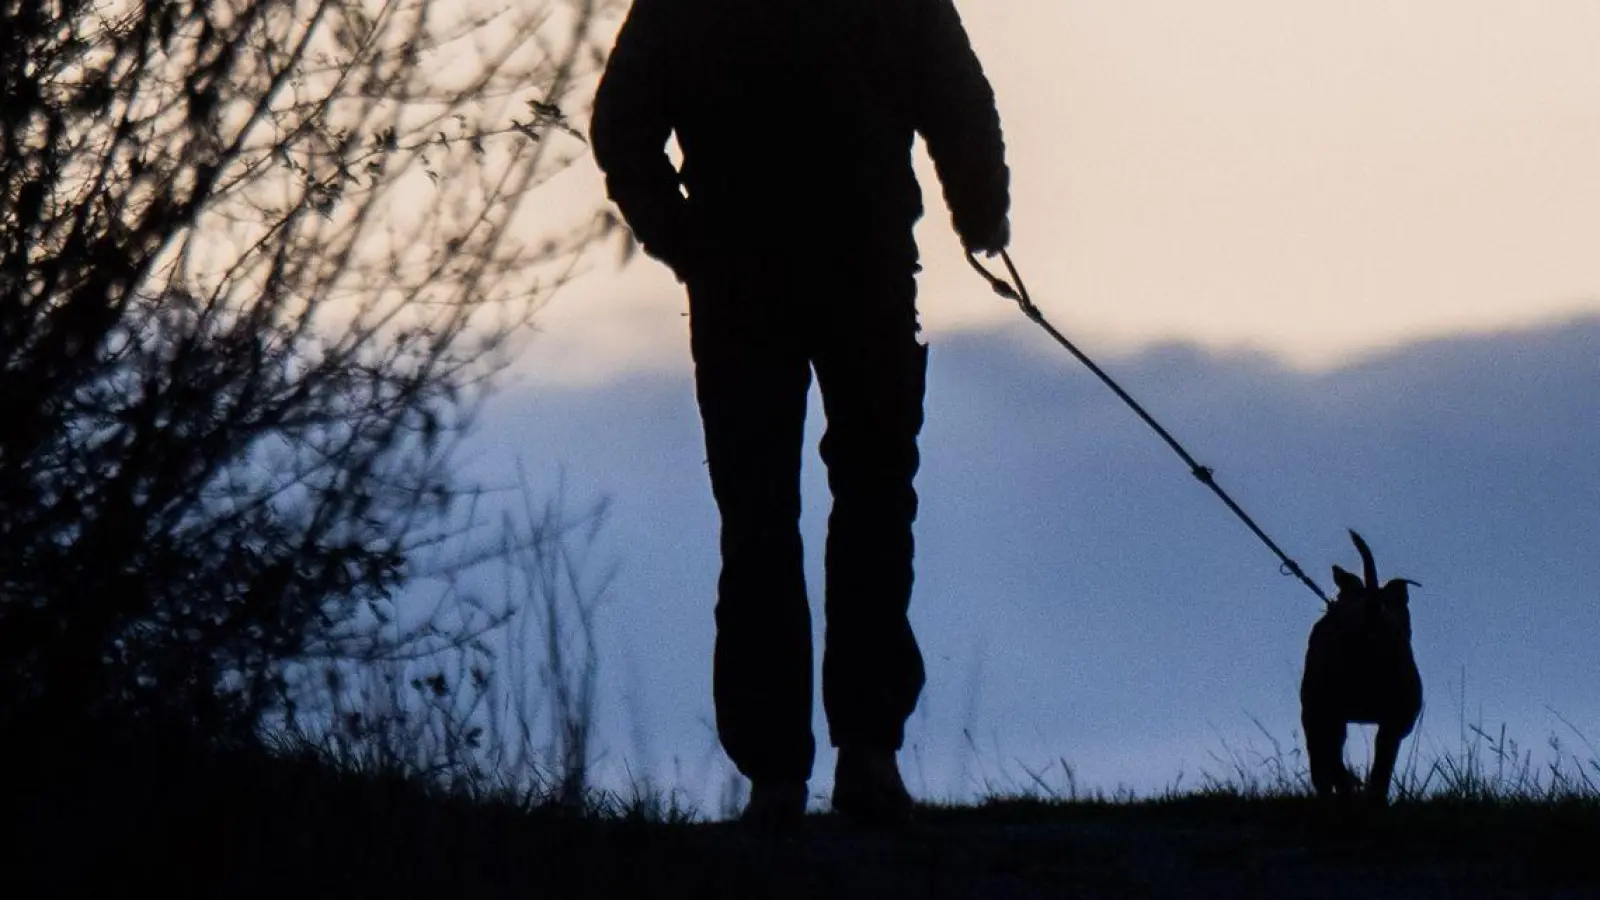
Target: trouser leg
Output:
[(751, 384), (872, 372)]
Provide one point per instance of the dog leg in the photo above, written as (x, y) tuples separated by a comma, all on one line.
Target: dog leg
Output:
[(1385, 750), (1325, 747)]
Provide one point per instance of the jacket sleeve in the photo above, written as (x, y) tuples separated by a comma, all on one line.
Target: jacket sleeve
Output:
[(953, 107), (631, 121)]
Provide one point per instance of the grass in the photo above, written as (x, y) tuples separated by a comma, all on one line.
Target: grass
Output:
[(320, 820)]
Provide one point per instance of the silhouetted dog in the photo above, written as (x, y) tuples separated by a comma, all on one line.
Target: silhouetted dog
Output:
[(1360, 669)]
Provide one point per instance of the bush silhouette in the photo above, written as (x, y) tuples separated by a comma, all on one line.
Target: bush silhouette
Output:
[(257, 267)]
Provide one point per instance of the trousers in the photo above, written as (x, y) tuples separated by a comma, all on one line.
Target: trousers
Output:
[(759, 329)]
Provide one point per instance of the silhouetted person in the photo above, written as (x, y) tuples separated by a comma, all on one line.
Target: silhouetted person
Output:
[(793, 235)]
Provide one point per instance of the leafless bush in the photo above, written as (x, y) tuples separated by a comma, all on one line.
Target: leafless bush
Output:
[(259, 260)]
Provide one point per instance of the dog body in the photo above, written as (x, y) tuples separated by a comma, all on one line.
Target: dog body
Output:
[(1360, 670)]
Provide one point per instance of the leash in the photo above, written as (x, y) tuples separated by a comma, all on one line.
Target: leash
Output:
[(1016, 291)]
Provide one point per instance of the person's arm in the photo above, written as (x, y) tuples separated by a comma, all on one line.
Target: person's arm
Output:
[(628, 132), (954, 110)]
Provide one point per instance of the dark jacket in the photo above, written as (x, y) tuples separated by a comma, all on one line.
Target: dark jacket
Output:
[(796, 120)]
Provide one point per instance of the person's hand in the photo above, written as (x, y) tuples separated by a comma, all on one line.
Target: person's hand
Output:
[(992, 244)]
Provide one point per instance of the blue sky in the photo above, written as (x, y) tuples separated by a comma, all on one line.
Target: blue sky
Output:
[(1081, 597)]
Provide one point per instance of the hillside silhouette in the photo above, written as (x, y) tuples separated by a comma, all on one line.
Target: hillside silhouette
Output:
[(245, 825), (1050, 508)]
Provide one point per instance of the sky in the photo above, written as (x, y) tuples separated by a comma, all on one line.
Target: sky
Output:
[(1310, 179), (1345, 252)]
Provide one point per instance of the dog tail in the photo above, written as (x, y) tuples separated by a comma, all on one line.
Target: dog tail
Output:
[(1369, 569)]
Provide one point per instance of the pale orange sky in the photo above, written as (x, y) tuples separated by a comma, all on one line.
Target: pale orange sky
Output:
[(1308, 178)]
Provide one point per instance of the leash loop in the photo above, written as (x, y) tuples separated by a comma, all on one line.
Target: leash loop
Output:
[(1017, 292)]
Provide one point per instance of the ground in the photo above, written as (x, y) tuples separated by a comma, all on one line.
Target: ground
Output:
[(245, 827), (1221, 847)]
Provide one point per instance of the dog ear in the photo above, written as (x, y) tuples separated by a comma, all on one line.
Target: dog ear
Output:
[(1346, 582), (1395, 591)]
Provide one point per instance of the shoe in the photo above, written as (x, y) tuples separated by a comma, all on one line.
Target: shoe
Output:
[(868, 790), (775, 807)]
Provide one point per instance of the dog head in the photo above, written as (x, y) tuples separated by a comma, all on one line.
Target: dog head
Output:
[(1385, 605)]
